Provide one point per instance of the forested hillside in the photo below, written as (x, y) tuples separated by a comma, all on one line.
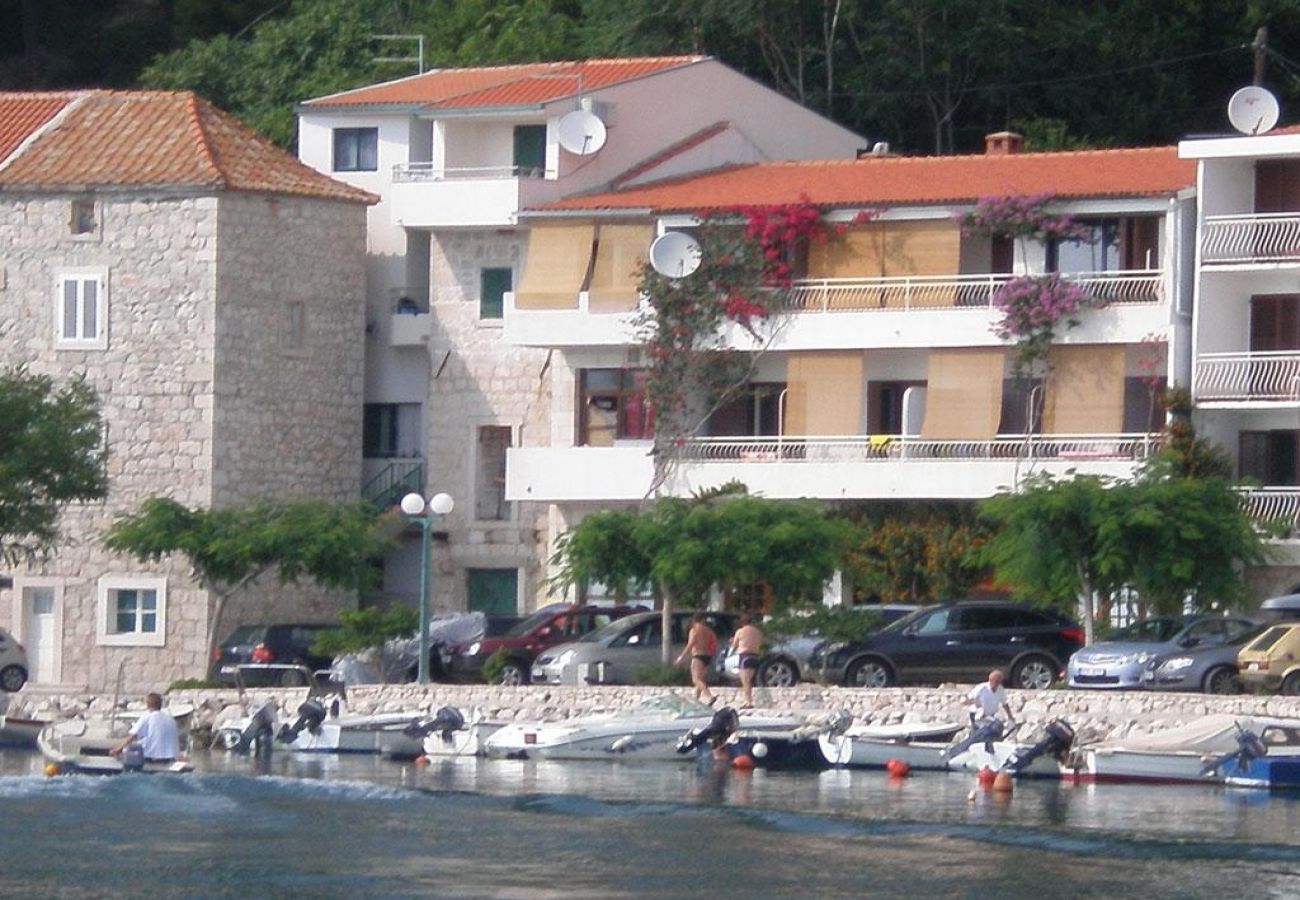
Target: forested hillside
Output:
[(929, 76)]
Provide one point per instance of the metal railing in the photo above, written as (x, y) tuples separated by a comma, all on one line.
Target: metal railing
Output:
[(947, 291), (885, 448), (1260, 237), (428, 171), (394, 481), (1268, 375), (1277, 507)]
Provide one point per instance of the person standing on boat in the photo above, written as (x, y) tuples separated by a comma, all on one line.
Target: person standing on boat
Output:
[(155, 732), (747, 642), (987, 698), (701, 647)]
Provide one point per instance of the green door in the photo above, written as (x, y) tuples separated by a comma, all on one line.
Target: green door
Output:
[(493, 591), (530, 150)]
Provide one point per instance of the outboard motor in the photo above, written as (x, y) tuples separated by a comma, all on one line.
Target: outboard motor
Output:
[(1249, 748), (724, 724), (133, 757), (256, 735), (982, 732), (310, 716), (444, 722), (1057, 738)]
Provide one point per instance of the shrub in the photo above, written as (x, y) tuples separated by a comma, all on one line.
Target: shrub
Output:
[(659, 674), (494, 665), (193, 684)]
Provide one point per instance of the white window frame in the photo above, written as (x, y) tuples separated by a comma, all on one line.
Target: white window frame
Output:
[(106, 618), (97, 341)]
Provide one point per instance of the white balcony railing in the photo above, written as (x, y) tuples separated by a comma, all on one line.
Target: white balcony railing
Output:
[(1275, 507), (1272, 375), (427, 171), (947, 291), (1259, 238), (886, 448)]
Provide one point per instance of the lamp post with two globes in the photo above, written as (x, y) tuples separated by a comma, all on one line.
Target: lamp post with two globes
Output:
[(422, 513)]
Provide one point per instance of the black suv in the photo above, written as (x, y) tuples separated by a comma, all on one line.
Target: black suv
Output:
[(280, 646), (955, 642)]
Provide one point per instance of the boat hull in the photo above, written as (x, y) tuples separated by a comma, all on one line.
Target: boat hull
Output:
[(1137, 766), (468, 741), (82, 747), (777, 751)]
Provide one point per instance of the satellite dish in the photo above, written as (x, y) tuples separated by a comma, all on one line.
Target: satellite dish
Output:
[(1253, 110), (675, 254), (581, 132)]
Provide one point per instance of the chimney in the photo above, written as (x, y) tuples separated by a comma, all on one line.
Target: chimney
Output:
[(1002, 143)]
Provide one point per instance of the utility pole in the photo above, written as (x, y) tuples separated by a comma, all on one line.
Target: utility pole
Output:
[(1260, 48)]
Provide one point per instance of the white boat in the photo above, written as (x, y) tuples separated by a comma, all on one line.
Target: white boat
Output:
[(919, 744), (1175, 755), (996, 750), (83, 745), (327, 727), (449, 733), (650, 729)]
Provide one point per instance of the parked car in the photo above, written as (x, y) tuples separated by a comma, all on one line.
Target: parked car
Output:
[(785, 662), (1272, 660), (1121, 661), (609, 655), (275, 645), (558, 623), (958, 641), (1211, 668), (13, 663)]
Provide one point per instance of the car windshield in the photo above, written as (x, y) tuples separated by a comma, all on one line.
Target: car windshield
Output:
[(613, 628), (528, 624), (907, 620), (1149, 631), (244, 634)]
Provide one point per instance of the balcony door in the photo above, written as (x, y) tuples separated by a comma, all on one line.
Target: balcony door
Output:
[(755, 411), (1274, 322), (1270, 457), (1277, 186)]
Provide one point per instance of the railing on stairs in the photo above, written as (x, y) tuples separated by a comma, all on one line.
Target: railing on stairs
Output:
[(387, 486)]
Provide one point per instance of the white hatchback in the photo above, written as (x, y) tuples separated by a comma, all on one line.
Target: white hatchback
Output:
[(13, 663)]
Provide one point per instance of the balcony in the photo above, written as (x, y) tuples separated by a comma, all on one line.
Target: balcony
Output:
[(851, 467), (406, 329), (1250, 241), (1259, 377), (1276, 508), (425, 195)]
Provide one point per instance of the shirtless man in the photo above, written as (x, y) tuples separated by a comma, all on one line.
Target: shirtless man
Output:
[(701, 647), (747, 642)]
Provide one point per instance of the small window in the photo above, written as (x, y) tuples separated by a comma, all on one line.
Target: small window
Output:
[(493, 285), (490, 490), (391, 429), (83, 217), (295, 325), (612, 407), (530, 151), (132, 611), (356, 149), (81, 311)]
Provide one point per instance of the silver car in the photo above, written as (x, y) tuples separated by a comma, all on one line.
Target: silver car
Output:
[(1121, 662), (610, 654), (13, 663)]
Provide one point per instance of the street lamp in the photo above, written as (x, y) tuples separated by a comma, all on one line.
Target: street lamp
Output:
[(422, 513)]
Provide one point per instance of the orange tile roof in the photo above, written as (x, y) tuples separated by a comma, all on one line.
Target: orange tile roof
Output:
[(916, 180), (528, 84), (118, 139), (22, 114)]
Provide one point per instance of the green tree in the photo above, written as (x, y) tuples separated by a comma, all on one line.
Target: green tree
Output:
[(363, 629), (51, 454), (915, 552), (227, 548)]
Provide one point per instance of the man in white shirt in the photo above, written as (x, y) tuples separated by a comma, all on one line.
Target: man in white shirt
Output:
[(155, 732), (985, 699)]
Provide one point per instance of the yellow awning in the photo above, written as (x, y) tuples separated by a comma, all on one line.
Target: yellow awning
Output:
[(620, 250), (555, 267)]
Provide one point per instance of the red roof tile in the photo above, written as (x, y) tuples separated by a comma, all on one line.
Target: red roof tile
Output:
[(917, 180), (111, 139), (529, 84), (22, 114)]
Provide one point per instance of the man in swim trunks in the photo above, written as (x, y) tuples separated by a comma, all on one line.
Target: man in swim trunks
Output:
[(747, 641), (701, 647)]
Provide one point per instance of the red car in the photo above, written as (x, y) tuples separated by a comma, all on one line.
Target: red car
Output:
[(558, 623)]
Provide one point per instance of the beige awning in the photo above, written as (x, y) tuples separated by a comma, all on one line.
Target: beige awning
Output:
[(620, 250), (1085, 392), (555, 267), (824, 393), (893, 250), (963, 394)]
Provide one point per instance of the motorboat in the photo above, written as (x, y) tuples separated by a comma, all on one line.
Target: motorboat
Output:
[(649, 729), (1180, 755), (83, 745), (1269, 760), (919, 744), (449, 733), (990, 745), (801, 747), (323, 725)]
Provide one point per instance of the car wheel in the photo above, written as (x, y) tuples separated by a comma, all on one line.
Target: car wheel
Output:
[(292, 678), (12, 678), (1291, 685), (1222, 680), (870, 672), (513, 674), (1034, 673), (778, 673)]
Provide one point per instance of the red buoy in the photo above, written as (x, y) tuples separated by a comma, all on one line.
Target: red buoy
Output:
[(897, 768), (742, 762), (986, 777)]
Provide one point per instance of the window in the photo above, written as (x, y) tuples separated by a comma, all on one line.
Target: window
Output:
[(1022, 406), (82, 307), (490, 482), (530, 150), (492, 287), (83, 217), (494, 591), (132, 610), (885, 406), (1143, 413), (935, 623), (356, 149), (1269, 457), (1097, 251), (612, 406), (755, 410), (390, 429), (295, 325)]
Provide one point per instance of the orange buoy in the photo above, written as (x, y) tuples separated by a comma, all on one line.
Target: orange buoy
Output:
[(422, 760), (51, 769), (986, 777), (1002, 783), (743, 762), (897, 768)]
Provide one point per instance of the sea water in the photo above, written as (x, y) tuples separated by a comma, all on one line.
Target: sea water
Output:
[(317, 826)]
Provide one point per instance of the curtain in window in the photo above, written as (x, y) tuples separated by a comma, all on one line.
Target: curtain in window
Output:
[(1085, 393), (963, 397), (620, 250), (555, 267), (824, 393)]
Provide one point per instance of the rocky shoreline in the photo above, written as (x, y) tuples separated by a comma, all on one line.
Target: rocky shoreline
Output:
[(1094, 714)]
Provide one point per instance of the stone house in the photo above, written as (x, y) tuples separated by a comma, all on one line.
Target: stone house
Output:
[(211, 288)]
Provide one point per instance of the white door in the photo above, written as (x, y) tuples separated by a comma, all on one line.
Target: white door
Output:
[(41, 636)]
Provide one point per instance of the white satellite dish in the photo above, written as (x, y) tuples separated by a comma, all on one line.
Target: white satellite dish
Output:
[(1253, 110), (581, 132), (675, 254)]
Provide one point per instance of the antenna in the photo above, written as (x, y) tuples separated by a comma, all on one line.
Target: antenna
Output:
[(675, 254), (581, 132), (1253, 110), (418, 58)]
